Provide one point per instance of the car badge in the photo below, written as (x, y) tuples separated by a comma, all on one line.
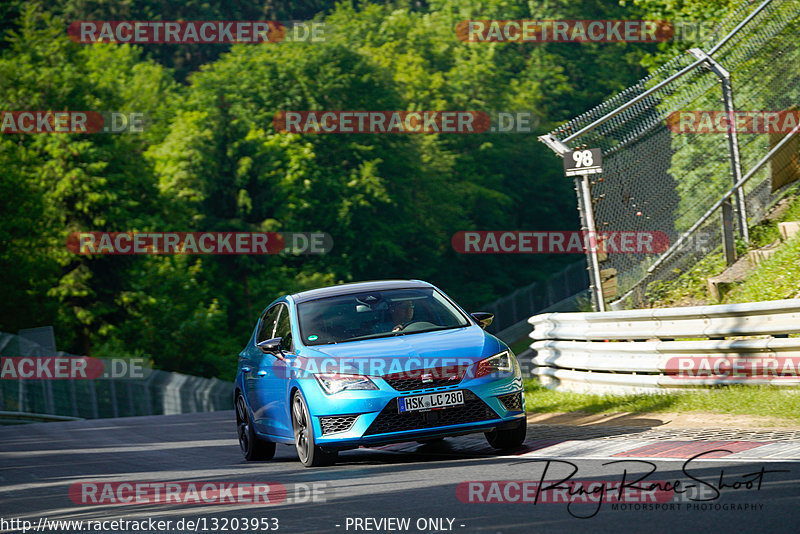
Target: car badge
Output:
[(427, 378)]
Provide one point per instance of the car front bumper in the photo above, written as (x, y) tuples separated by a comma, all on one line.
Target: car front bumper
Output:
[(352, 419)]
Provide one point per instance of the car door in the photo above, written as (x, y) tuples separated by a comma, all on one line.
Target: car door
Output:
[(278, 375), (251, 365)]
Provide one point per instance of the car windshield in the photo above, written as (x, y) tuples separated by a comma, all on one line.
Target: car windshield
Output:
[(376, 314)]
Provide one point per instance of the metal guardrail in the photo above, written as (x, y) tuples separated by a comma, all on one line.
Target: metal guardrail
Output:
[(635, 351), (159, 393)]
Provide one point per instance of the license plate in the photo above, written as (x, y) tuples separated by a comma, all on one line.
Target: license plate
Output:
[(431, 401)]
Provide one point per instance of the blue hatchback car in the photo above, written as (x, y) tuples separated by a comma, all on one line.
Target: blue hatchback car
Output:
[(372, 363)]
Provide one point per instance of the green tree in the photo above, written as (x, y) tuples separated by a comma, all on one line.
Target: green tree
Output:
[(78, 182)]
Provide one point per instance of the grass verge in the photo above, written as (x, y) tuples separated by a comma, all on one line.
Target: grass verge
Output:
[(761, 401), (776, 278)]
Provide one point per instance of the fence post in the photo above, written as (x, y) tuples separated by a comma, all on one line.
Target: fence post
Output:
[(45, 396), (532, 299), (728, 241), (74, 398), (93, 398), (594, 264), (147, 398), (131, 406), (112, 390), (514, 308), (586, 211), (21, 391), (736, 161), (566, 278)]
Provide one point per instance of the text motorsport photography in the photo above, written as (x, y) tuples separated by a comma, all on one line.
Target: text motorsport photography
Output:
[(693, 490)]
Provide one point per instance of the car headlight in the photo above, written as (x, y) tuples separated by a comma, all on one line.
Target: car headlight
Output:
[(501, 364), (334, 383)]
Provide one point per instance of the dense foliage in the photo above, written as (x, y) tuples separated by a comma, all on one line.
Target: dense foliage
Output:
[(211, 160)]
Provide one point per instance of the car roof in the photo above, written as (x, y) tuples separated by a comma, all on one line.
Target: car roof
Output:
[(356, 287)]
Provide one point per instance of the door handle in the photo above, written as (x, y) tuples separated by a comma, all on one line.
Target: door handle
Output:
[(261, 373), (245, 369)]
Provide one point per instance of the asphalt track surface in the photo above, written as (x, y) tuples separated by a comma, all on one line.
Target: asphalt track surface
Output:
[(39, 463)]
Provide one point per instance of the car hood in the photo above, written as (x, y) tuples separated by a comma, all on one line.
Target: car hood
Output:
[(456, 347)]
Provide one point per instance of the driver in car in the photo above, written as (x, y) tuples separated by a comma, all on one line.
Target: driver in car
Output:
[(401, 311)]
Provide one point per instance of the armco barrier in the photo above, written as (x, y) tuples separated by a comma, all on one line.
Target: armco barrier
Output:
[(160, 393), (636, 351)]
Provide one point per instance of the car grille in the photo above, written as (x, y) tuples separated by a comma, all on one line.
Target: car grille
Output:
[(337, 423), (512, 401), (433, 378), (390, 420)]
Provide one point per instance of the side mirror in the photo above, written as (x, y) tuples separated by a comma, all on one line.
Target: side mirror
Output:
[(484, 319), (270, 346)]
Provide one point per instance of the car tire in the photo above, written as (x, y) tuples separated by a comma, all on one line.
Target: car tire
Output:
[(430, 441), (253, 447), (310, 454), (508, 438)]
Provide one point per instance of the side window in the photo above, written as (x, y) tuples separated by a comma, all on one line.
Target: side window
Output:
[(267, 327), (284, 329)]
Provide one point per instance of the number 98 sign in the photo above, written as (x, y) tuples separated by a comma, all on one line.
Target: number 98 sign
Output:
[(588, 161)]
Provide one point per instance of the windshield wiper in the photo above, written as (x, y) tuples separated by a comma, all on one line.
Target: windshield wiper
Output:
[(434, 329), (399, 333), (369, 336)]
